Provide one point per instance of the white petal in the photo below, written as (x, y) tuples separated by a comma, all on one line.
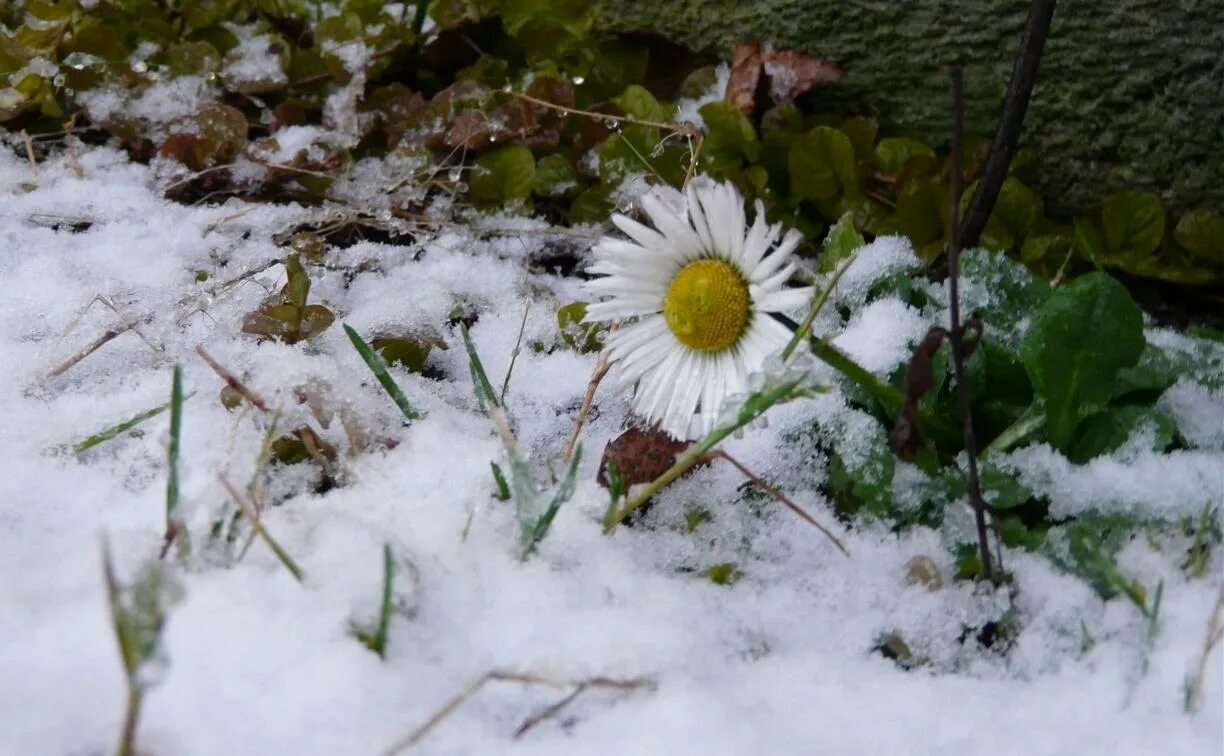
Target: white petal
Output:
[(712, 395), (715, 210), (683, 402), (618, 309), (624, 341), (774, 282), (736, 223), (758, 240), (654, 390), (686, 243), (779, 256), (697, 216), (619, 249), (783, 300), (643, 235)]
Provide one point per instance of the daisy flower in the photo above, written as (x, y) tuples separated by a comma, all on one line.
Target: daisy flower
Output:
[(694, 291)]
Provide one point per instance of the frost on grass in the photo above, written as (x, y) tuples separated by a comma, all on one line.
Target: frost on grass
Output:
[(781, 661)]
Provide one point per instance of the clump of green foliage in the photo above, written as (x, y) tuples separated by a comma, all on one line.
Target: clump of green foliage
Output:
[(528, 107)]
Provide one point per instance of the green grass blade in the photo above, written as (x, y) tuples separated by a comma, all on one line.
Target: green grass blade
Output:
[(480, 379), (564, 493), (384, 612), (503, 488), (107, 434), (176, 430), (514, 355), (379, 369)]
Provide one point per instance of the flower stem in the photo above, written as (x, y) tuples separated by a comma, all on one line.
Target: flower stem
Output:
[(805, 328), (752, 409)]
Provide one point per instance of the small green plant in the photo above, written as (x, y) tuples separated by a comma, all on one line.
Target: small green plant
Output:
[(286, 316), (138, 614), (534, 507), (376, 639)]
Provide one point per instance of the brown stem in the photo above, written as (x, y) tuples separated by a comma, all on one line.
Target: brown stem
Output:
[(232, 381), (1015, 104), (957, 332), (601, 369), (781, 497), (98, 343)]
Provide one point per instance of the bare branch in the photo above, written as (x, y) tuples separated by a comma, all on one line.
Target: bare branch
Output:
[(458, 699), (781, 497), (1015, 104), (957, 333)]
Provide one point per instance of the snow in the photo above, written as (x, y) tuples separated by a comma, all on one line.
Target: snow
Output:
[(254, 662)]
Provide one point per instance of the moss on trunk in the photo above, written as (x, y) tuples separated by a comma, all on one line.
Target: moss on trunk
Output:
[(1130, 93)]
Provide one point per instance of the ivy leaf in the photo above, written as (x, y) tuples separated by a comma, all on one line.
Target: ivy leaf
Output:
[(842, 240), (1202, 232), (822, 166), (862, 133), (921, 208), (1134, 223), (637, 101), (555, 176), (1081, 337), (729, 138), (893, 152), (504, 175)]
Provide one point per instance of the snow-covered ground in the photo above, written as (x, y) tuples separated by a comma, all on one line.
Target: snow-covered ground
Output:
[(779, 662)]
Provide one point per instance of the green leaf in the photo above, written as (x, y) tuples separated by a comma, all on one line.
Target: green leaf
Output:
[(1081, 337), (410, 353), (504, 175), (1012, 291), (1202, 232), (730, 138), (593, 205), (1001, 490), (893, 152), (862, 133), (637, 101), (822, 166), (1106, 432), (1154, 373), (628, 152), (1134, 223), (576, 332), (1018, 208), (315, 319), (841, 242), (921, 210), (555, 177)]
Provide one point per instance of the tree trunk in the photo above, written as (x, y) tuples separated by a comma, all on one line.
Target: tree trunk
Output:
[(1130, 94)]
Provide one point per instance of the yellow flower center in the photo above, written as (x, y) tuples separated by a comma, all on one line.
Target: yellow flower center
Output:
[(707, 305)]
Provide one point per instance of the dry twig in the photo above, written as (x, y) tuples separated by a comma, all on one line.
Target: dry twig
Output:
[(1215, 632), (455, 702), (601, 369), (780, 497), (232, 381)]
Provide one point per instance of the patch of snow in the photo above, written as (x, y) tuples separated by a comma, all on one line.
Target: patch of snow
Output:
[(687, 108), (780, 662)]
